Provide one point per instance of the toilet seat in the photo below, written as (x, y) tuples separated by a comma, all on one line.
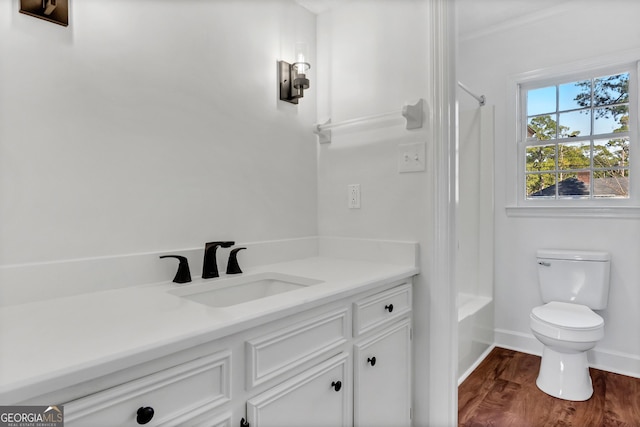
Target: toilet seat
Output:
[(567, 322), (568, 316)]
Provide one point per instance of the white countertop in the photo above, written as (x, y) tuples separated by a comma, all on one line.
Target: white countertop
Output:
[(49, 345)]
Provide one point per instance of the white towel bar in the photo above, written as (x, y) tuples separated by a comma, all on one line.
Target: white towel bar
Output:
[(414, 115)]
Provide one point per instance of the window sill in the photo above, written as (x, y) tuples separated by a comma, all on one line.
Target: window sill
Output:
[(573, 212)]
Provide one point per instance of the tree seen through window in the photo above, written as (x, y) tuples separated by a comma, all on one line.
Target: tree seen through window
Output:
[(578, 139)]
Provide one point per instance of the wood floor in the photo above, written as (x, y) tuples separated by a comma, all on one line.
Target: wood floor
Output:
[(502, 392)]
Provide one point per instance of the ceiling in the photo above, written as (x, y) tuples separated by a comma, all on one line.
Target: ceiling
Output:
[(319, 6), (476, 16), (481, 16)]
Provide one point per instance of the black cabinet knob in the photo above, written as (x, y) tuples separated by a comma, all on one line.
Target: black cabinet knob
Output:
[(372, 360), (337, 385), (145, 414), (389, 308)]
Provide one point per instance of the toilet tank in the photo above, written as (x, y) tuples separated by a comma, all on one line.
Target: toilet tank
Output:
[(579, 277)]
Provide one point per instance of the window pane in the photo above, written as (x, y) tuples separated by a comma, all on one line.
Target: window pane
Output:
[(611, 184), (542, 128), (541, 158), (611, 89), (575, 123), (608, 153), (572, 96), (573, 185), (541, 186), (611, 119), (575, 155), (541, 101)]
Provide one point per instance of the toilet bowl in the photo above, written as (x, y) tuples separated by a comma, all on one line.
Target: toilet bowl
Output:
[(567, 331)]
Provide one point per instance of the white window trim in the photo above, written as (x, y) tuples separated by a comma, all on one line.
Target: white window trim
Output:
[(517, 204)]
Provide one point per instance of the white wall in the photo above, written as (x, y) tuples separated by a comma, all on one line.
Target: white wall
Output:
[(376, 62), (570, 32), (374, 58), (152, 126)]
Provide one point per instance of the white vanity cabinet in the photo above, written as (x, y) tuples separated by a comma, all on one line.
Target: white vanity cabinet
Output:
[(312, 368), (370, 388)]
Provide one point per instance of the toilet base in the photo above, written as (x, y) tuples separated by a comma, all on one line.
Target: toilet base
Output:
[(565, 375)]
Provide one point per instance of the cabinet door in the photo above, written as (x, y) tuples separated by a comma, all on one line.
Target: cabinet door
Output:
[(318, 397), (382, 373)]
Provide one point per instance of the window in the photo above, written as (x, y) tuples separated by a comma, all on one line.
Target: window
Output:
[(577, 138)]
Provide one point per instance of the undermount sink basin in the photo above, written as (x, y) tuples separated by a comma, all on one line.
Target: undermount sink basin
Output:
[(238, 290)]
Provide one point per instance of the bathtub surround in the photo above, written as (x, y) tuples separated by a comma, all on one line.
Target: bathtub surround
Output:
[(475, 332), (474, 257)]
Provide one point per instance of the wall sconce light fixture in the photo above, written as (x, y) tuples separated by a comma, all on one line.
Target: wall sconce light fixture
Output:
[(293, 80)]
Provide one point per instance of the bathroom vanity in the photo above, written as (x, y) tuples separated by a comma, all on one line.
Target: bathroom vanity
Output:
[(335, 352)]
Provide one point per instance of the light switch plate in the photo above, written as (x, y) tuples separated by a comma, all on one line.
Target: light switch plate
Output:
[(411, 157), (354, 196)]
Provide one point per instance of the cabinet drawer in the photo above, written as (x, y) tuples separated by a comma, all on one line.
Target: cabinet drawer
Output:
[(381, 308), (274, 354), (176, 395)]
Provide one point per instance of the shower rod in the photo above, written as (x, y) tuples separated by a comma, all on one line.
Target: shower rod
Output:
[(481, 99)]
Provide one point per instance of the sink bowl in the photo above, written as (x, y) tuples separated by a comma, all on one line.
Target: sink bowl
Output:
[(238, 290)]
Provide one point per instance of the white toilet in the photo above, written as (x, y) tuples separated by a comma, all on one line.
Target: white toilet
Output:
[(572, 284)]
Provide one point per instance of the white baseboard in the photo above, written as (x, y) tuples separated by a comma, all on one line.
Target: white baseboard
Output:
[(615, 361), (473, 367), (599, 358)]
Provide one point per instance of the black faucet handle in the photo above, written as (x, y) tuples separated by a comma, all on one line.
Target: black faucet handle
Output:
[(183, 275), (232, 266)]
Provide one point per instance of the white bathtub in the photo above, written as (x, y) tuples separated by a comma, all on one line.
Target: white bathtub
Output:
[(475, 332)]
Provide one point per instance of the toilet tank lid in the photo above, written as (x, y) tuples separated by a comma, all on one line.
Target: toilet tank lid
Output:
[(574, 255)]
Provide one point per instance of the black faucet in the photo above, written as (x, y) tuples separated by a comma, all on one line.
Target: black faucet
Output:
[(232, 266), (210, 264)]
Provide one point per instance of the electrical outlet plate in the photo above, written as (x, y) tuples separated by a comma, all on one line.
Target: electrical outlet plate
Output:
[(354, 196), (411, 157)]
